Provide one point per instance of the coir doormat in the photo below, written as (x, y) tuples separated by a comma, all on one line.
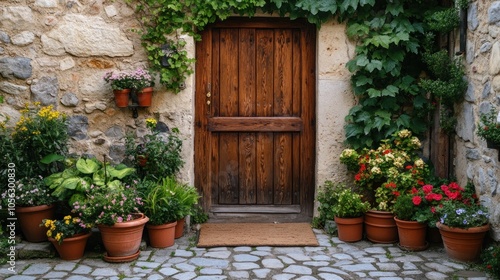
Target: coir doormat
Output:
[(256, 234)]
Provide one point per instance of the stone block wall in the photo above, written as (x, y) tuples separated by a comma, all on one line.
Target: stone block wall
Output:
[(473, 160)]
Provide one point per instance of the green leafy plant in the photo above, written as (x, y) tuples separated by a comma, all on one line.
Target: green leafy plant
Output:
[(490, 260), (349, 205), (67, 227), (198, 215), (161, 205), (80, 175), (327, 200), (156, 157), (488, 128)]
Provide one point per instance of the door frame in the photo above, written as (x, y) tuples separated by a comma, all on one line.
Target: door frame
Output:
[(203, 78)]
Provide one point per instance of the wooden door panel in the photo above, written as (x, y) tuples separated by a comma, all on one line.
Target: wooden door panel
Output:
[(253, 117)]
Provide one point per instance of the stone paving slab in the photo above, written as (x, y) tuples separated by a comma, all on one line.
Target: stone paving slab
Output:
[(332, 260)]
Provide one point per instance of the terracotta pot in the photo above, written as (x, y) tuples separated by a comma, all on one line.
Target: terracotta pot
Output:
[(463, 244), (350, 229), (122, 240), (145, 96), (121, 97), (30, 219), (161, 236), (179, 228), (142, 161), (380, 227), (72, 248), (411, 235)]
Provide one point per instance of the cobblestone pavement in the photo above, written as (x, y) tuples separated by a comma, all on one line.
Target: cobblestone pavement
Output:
[(333, 259)]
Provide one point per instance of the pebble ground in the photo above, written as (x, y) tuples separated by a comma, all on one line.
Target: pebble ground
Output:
[(332, 259)]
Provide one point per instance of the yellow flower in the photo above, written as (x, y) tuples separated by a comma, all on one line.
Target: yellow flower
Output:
[(58, 236), (48, 223), (67, 222), (68, 217), (49, 233)]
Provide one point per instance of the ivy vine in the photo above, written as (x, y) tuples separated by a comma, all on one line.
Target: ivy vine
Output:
[(385, 71)]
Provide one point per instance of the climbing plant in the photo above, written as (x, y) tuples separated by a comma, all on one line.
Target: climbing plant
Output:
[(385, 70)]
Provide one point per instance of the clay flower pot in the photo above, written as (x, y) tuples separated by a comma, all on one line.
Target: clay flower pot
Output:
[(30, 219), (161, 236), (145, 96), (463, 244), (350, 229), (72, 248), (411, 235), (121, 97), (179, 228), (122, 240), (380, 227)]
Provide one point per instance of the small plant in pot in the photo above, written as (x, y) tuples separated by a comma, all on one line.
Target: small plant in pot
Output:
[(162, 207), (411, 232), (348, 213), (68, 235)]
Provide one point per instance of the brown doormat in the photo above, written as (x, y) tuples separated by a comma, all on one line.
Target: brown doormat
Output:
[(256, 234)]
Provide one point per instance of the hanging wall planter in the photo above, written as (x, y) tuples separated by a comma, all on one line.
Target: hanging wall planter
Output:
[(145, 96), (121, 97)]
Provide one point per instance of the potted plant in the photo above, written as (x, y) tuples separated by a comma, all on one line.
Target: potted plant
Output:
[(143, 82), (412, 233), (489, 129), (121, 83), (69, 236), (187, 197), (33, 204), (115, 209), (381, 174), (162, 207), (463, 224), (158, 155), (348, 212), (327, 198)]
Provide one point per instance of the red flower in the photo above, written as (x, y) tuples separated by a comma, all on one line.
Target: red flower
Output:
[(427, 188), (387, 152), (414, 190), (357, 177), (396, 193), (408, 167), (433, 210), (362, 167), (417, 200)]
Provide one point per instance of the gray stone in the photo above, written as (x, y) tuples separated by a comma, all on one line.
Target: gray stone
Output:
[(211, 277), (494, 67), (299, 257), (23, 39), (45, 90), (185, 267), (329, 276), (4, 37), (485, 47), (70, 100), (185, 276), (104, 272), (37, 269), (65, 266), (78, 277), (494, 12), (78, 126), (178, 253), (15, 67), (298, 269), (262, 273), (466, 124), (283, 276), (472, 20), (147, 264), (56, 274), (434, 275), (21, 277), (469, 94), (472, 154), (239, 274), (86, 36), (206, 262), (116, 153), (245, 265), (211, 271), (17, 18), (246, 258), (82, 269), (116, 131), (359, 267), (486, 90), (169, 271), (218, 254), (46, 3), (272, 263), (13, 89)]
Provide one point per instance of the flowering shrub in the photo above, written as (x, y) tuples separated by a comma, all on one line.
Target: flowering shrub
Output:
[(108, 204), (31, 192), (137, 79), (392, 168), (489, 128), (462, 215), (41, 132), (490, 259), (67, 227)]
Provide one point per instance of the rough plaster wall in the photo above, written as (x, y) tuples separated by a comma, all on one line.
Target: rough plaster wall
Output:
[(334, 99), (473, 160)]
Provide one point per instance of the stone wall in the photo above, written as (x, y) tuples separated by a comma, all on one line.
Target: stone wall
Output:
[(57, 51), (473, 160)]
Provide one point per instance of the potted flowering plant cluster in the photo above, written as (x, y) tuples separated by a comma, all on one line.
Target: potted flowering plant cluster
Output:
[(383, 173), (489, 129), (68, 235), (137, 85)]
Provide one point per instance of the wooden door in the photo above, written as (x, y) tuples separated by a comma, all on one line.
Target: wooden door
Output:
[(255, 116)]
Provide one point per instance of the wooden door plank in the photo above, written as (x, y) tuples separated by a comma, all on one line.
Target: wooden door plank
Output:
[(264, 92), (282, 72), (282, 168), (246, 104), (228, 168), (255, 124), (296, 111), (214, 88)]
